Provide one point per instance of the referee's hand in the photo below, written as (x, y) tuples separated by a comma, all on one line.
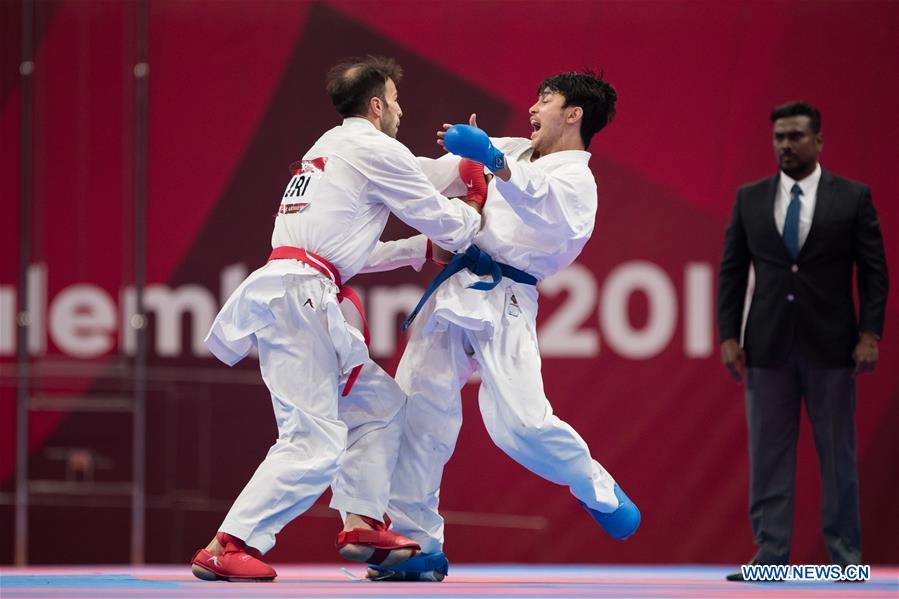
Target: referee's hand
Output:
[(734, 359)]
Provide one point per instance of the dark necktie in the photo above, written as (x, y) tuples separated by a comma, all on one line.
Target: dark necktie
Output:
[(791, 222)]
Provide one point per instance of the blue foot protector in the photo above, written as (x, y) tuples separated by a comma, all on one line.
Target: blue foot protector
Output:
[(621, 523), (422, 567)]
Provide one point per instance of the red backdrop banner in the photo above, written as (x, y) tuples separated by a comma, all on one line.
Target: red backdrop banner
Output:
[(627, 333)]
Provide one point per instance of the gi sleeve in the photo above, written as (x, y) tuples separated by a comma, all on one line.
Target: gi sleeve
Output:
[(443, 173), (390, 255), (563, 199), (398, 181)]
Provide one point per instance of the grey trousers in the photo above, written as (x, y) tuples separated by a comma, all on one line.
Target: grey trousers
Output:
[(773, 400)]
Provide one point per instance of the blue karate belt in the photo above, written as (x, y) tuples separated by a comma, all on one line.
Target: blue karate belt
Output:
[(481, 264)]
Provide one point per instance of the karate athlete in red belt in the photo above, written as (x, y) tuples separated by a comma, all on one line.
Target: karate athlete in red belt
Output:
[(328, 224), (480, 313)]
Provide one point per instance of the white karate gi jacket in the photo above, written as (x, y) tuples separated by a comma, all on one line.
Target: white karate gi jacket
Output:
[(337, 208)]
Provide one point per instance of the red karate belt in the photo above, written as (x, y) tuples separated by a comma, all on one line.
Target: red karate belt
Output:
[(346, 292)]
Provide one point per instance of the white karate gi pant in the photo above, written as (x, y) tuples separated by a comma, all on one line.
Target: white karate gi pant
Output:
[(303, 358), (440, 356)]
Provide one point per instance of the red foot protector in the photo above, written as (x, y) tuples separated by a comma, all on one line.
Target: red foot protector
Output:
[(472, 174), (381, 539), (236, 562)]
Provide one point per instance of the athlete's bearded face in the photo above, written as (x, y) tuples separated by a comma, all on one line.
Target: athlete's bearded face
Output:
[(392, 113)]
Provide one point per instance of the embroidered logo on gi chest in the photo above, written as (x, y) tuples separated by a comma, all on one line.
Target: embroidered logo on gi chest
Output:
[(309, 303), (514, 309)]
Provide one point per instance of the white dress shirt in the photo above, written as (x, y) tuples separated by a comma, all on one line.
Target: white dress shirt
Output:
[(809, 187)]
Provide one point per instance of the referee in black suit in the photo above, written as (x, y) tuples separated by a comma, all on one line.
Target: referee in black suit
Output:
[(802, 231)]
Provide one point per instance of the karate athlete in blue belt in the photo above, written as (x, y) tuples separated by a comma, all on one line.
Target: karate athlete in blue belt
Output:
[(481, 311)]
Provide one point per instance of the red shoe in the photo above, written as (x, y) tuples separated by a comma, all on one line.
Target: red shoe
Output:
[(381, 539), (236, 562)]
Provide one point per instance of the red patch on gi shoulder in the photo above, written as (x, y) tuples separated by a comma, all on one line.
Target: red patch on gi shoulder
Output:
[(308, 166)]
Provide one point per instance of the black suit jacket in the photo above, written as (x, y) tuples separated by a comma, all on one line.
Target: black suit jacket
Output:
[(807, 301)]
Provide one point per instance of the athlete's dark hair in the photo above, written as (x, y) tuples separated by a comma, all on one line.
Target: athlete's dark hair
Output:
[(352, 82), (588, 90), (798, 109)]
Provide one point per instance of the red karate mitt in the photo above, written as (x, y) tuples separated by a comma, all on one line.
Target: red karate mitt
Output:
[(472, 174)]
